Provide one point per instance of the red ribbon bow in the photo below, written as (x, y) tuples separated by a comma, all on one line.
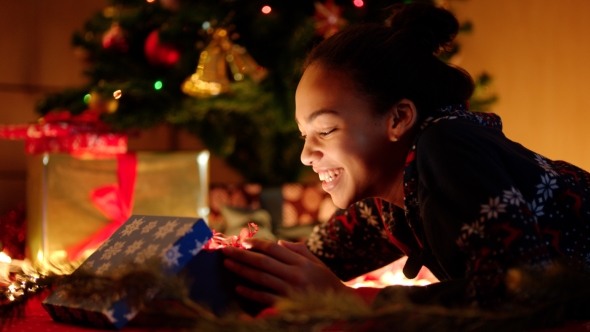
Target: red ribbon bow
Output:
[(220, 240), (115, 201)]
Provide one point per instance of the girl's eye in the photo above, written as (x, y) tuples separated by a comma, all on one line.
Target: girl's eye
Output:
[(324, 133)]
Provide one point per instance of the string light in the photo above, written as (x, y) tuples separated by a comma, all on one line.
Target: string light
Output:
[(266, 9), (158, 85), (358, 3), (4, 258), (87, 98), (117, 94), (151, 1)]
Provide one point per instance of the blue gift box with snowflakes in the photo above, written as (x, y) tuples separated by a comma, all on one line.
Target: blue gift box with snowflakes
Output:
[(173, 241)]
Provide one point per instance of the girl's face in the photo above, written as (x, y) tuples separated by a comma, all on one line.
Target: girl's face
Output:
[(346, 142)]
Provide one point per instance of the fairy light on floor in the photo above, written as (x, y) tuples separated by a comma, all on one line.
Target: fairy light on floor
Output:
[(11, 291), (266, 10), (392, 275), (5, 261), (4, 258)]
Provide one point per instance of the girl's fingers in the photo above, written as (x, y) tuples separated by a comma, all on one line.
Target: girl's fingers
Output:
[(268, 248), (255, 259), (272, 264), (256, 295), (301, 249), (282, 267), (260, 277)]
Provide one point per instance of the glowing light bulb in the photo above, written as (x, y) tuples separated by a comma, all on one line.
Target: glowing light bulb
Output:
[(87, 98), (266, 9), (117, 94), (4, 258), (158, 85), (151, 1), (358, 3)]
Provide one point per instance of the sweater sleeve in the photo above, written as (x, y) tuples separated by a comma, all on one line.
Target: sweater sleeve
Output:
[(353, 241), (476, 219)]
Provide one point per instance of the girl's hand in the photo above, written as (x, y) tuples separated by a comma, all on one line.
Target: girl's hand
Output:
[(283, 267)]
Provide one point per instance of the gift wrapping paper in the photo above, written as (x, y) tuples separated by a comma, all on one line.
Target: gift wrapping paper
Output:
[(172, 240), (64, 207), (62, 132)]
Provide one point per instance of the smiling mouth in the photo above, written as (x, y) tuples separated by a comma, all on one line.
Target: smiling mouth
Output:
[(330, 175)]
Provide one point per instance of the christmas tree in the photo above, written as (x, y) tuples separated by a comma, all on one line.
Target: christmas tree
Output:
[(225, 70)]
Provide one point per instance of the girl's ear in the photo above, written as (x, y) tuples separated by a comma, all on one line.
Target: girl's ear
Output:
[(402, 117)]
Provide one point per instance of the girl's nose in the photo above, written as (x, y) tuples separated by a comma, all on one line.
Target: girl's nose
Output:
[(309, 154)]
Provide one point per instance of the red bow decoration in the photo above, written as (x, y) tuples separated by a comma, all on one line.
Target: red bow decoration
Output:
[(220, 240), (115, 201)]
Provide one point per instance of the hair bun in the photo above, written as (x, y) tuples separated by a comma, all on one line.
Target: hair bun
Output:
[(432, 27)]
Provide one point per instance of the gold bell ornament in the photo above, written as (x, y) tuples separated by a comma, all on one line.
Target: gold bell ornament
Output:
[(211, 78)]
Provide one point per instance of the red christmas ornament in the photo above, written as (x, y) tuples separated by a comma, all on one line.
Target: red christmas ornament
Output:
[(159, 54), (115, 38)]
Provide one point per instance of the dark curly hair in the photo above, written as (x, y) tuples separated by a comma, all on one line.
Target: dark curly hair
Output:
[(388, 62)]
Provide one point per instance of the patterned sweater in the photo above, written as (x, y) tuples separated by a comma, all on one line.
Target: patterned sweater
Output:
[(476, 205)]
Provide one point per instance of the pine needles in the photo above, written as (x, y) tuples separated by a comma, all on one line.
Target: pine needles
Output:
[(539, 301)]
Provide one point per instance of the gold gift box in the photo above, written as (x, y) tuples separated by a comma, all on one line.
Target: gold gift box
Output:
[(60, 212)]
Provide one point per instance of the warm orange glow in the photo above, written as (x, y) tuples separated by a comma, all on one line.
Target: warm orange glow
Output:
[(151, 1), (533, 83), (266, 9), (4, 268), (392, 275), (4, 258)]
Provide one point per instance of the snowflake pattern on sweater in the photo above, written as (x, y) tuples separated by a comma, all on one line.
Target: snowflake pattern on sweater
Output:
[(475, 205)]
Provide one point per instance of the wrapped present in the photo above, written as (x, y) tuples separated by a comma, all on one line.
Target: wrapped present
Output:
[(174, 241), (62, 132), (213, 286), (184, 246), (74, 204)]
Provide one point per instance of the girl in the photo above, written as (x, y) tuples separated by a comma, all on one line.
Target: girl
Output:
[(388, 131)]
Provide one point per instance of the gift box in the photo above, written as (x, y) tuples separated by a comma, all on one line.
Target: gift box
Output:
[(212, 285), (74, 204), (172, 240), (62, 132)]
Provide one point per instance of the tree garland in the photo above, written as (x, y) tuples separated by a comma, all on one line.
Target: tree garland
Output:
[(542, 300)]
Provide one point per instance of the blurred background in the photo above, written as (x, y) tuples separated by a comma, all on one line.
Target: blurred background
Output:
[(535, 51)]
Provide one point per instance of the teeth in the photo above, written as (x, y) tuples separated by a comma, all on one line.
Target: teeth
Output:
[(329, 175)]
